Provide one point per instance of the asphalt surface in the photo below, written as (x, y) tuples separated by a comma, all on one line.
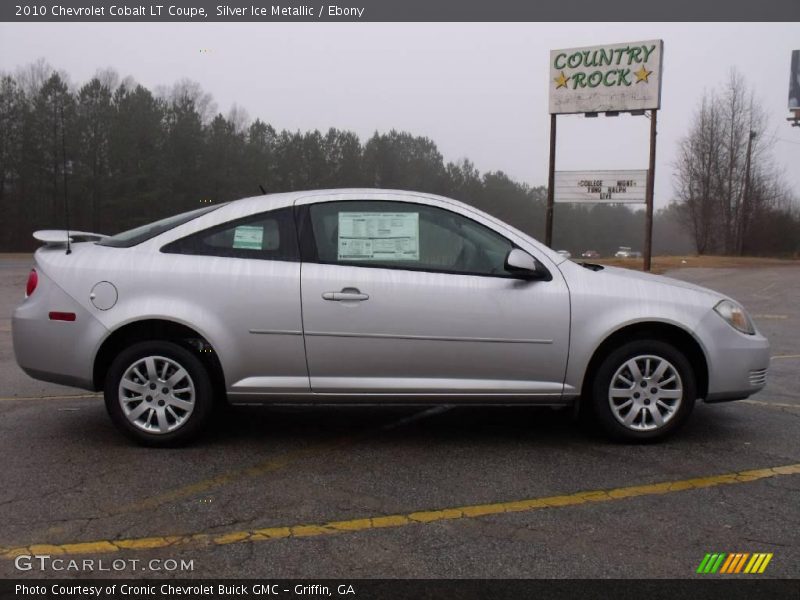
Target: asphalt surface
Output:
[(252, 497)]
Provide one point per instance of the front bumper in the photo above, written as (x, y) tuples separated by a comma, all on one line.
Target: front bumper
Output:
[(737, 362)]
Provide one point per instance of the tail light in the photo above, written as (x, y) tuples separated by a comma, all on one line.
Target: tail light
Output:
[(33, 281)]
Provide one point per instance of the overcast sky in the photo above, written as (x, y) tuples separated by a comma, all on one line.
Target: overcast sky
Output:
[(478, 90)]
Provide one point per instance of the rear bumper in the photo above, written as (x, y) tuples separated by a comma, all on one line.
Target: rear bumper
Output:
[(55, 351), (737, 363)]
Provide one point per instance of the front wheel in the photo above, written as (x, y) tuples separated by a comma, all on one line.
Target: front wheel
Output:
[(643, 390), (158, 393)]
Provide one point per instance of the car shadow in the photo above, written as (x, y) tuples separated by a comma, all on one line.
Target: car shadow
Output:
[(544, 427)]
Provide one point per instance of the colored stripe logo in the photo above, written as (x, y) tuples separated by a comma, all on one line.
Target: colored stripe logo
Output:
[(734, 563)]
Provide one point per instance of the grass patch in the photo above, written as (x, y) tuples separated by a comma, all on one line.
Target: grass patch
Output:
[(17, 256), (668, 263)]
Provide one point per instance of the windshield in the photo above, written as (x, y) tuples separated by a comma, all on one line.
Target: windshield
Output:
[(129, 238)]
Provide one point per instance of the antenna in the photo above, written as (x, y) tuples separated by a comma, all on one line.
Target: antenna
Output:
[(64, 170)]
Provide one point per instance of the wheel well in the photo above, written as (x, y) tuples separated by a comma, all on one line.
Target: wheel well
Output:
[(158, 329), (665, 332)]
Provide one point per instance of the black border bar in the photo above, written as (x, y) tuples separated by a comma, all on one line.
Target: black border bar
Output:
[(399, 10), (710, 588)]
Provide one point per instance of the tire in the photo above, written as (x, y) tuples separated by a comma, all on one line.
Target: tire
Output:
[(159, 393), (648, 404)]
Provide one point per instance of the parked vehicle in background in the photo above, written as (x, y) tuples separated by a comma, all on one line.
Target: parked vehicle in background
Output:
[(369, 296), (565, 253), (623, 252), (590, 254)]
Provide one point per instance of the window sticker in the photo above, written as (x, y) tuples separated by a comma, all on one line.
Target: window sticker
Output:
[(249, 237), (378, 236)]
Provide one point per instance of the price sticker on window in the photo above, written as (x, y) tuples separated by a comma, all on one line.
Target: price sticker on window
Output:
[(378, 236), (249, 237)]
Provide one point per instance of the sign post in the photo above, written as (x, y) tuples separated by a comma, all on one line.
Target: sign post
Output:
[(651, 180), (551, 184), (794, 89), (612, 79)]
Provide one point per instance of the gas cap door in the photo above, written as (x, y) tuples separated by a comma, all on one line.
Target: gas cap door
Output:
[(103, 295)]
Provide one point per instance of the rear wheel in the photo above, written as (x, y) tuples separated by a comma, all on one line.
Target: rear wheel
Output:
[(643, 390), (158, 393)]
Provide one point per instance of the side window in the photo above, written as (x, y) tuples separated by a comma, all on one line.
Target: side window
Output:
[(266, 236), (406, 236)]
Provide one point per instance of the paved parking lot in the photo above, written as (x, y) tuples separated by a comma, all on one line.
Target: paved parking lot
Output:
[(444, 492)]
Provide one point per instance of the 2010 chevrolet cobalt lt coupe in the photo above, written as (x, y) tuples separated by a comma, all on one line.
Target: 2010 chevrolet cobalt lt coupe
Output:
[(369, 296)]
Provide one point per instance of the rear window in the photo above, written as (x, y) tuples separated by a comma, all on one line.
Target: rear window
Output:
[(132, 237), (266, 236)]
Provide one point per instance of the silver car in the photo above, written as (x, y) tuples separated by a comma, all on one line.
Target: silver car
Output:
[(369, 296)]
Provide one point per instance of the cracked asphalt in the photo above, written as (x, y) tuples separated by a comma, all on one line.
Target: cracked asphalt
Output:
[(402, 492)]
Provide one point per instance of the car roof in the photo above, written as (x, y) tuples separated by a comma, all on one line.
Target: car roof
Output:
[(276, 200)]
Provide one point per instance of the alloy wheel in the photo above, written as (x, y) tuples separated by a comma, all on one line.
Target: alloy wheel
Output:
[(157, 394), (645, 392)]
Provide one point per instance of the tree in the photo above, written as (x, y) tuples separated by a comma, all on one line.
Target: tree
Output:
[(400, 160), (52, 123), (94, 126), (138, 164), (184, 149), (724, 175), (222, 159), (12, 119), (259, 159)]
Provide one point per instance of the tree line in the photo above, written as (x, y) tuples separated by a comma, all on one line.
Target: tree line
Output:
[(123, 155), (729, 193)]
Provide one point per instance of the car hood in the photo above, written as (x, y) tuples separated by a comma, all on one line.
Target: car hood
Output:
[(628, 274)]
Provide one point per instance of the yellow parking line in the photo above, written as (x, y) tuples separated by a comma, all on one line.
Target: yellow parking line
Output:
[(400, 520), (780, 356)]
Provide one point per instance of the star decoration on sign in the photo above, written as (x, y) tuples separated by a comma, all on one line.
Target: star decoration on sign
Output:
[(561, 80), (642, 75)]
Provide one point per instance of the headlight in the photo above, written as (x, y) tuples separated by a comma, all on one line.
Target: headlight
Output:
[(736, 316)]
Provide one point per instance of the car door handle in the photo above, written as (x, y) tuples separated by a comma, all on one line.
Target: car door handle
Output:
[(347, 294)]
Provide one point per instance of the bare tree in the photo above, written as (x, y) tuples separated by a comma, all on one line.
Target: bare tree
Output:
[(32, 77), (239, 118), (187, 90), (109, 78), (724, 174), (697, 171)]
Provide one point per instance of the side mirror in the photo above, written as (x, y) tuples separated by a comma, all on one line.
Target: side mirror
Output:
[(525, 266)]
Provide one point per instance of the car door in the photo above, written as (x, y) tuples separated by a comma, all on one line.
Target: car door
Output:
[(403, 298)]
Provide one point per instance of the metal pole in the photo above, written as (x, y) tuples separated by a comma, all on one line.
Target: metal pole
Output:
[(745, 196), (551, 185), (651, 179)]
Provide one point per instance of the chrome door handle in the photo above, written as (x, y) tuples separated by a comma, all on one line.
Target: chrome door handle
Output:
[(347, 294)]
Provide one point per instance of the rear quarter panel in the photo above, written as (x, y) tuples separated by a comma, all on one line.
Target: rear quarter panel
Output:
[(223, 299)]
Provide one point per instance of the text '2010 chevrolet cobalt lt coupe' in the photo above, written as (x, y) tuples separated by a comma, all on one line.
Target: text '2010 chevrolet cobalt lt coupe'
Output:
[(369, 296)]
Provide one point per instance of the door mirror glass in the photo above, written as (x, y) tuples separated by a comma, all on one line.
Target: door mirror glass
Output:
[(524, 265)]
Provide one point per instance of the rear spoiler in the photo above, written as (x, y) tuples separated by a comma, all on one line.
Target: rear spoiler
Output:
[(59, 237)]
